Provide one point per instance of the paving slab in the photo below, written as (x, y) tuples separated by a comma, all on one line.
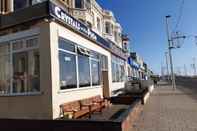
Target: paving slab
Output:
[(169, 110)]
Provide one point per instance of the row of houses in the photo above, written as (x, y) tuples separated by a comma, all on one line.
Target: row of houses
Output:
[(57, 51)]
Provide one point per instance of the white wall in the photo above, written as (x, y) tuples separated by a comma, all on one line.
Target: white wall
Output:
[(60, 97)]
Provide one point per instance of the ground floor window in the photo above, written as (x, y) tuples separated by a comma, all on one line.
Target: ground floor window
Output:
[(84, 71), (118, 69), (20, 66), (68, 80), (79, 67), (5, 71), (95, 68)]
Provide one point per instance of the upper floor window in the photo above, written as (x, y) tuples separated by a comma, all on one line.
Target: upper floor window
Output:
[(108, 28), (19, 4), (88, 4), (116, 36), (98, 24), (79, 3), (89, 24)]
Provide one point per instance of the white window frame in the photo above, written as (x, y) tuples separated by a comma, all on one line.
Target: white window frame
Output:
[(119, 62), (10, 43), (77, 71)]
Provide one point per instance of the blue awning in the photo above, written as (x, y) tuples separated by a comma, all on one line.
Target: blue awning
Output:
[(133, 64)]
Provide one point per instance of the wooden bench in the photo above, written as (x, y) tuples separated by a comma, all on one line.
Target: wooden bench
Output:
[(74, 110), (95, 103), (77, 109)]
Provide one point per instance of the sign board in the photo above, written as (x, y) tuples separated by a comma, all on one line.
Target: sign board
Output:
[(63, 16)]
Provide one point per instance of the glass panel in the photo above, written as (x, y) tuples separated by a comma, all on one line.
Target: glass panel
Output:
[(108, 28), (113, 72), (19, 4), (94, 55), (68, 76), (5, 73), (84, 71), (117, 73), (122, 72), (33, 42), (104, 62), (79, 3), (118, 69), (33, 71), (95, 73), (98, 24), (20, 67), (33, 2), (66, 45), (17, 45), (26, 72)]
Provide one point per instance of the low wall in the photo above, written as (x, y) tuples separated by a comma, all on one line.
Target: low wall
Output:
[(122, 123), (132, 116)]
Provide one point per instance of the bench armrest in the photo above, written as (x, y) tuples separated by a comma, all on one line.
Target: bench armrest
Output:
[(86, 104), (99, 101)]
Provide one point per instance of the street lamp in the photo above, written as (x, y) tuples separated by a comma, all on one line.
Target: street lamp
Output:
[(167, 68), (170, 43)]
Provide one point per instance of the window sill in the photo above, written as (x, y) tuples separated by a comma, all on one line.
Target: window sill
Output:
[(22, 94), (118, 82), (78, 89)]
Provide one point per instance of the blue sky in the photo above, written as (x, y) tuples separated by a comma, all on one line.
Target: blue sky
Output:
[(144, 21)]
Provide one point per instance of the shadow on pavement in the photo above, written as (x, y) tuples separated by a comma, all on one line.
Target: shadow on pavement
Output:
[(188, 86)]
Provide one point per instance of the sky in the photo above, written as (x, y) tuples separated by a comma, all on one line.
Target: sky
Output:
[(144, 22)]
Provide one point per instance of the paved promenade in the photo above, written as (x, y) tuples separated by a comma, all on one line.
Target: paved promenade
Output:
[(169, 110)]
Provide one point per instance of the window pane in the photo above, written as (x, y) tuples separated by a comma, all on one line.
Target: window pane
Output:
[(95, 73), (18, 45), (4, 48), (78, 3), (84, 71), (117, 73), (5, 74), (66, 45), (98, 24), (33, 42), (20, 67), (104, 62), (33, 71), (94, 55), (122, 77), (26, 72), (33, 2), (19, 4), (108, 28), (113, 72), (68, 77)]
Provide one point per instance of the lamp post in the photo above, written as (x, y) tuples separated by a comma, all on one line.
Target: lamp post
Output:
[(167, 68), (170, 43)]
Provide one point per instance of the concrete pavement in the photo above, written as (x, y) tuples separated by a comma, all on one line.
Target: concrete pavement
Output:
[(169, 110)]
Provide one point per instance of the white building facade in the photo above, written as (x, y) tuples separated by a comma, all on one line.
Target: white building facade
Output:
[(49, 58)]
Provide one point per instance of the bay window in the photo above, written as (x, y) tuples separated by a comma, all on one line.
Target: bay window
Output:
[(20, 66), (79, 67)]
